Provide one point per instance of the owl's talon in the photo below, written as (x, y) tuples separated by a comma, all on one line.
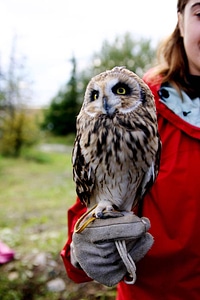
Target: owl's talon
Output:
[(99, 215)]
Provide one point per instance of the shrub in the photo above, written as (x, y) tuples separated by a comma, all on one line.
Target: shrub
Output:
[(17, 131)]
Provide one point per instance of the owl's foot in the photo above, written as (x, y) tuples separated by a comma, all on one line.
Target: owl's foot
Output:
[(101, 210), (105, 210)]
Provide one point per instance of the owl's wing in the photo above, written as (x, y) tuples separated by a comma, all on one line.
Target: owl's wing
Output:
[(148, 179), (83, 174)]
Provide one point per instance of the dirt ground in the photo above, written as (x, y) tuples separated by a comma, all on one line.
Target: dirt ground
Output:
[(42, 277)]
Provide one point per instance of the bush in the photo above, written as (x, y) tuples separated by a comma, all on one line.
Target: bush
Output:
[(16, 132)]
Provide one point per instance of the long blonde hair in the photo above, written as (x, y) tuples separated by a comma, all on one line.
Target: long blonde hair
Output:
[(172, 59)]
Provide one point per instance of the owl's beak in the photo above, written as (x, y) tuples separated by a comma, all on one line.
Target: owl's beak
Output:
[(105, 104), (108, 108)]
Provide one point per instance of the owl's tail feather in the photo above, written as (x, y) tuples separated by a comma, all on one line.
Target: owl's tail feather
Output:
[(127, 260)]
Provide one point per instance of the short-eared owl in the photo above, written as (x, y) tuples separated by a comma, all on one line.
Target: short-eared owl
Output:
[(117, 146)]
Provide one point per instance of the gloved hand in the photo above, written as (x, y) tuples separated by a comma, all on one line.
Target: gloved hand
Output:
[(106, 249)]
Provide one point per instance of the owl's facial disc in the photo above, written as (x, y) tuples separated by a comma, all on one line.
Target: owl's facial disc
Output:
[(111, 95)]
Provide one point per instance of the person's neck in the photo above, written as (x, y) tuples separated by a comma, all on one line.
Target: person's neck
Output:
[(194, 81)]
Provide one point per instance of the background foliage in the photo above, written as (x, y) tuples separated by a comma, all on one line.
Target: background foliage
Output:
[(60, 118), (18, 128)]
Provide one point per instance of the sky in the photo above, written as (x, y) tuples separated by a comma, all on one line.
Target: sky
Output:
[(48, 32)]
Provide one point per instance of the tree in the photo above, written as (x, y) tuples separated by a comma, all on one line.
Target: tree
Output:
[(60, 118), (16, 126), (135, 54)]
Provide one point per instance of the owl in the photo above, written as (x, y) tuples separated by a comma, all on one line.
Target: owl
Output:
[(117, 146)]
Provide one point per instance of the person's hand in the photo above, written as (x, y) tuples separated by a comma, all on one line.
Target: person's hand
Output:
[(106, 249)]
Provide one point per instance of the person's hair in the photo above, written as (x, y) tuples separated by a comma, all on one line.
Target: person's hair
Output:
[(172, 59), (181, 5)]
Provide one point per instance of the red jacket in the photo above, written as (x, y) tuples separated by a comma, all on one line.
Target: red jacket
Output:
[(171, 269)]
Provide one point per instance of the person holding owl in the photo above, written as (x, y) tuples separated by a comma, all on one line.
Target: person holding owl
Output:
[(171, 268)]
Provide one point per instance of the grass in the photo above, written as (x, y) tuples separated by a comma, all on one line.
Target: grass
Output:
[(66, 140), (35, 197), (36, 192)]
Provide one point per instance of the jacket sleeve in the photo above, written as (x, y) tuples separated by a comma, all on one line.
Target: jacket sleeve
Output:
[(77, 275)]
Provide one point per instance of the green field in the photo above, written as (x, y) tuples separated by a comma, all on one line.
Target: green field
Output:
[(36, 191)]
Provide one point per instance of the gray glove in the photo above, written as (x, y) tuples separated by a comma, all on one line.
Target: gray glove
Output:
[(106, 249)]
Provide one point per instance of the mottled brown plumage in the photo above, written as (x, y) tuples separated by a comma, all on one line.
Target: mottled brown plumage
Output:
[(117, 146)]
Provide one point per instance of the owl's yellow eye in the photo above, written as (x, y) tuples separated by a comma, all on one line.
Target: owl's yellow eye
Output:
[(94, 95), (121, 91), (121, 88)]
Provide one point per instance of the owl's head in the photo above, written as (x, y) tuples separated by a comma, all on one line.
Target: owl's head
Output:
[(115, 91)]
